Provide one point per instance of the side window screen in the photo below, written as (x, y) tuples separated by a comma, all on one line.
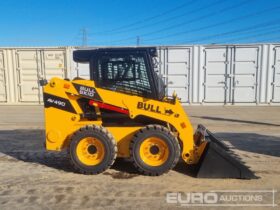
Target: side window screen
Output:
[(124, 73)]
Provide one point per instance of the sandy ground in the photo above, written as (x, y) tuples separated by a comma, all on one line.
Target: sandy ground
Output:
[(31, 178)]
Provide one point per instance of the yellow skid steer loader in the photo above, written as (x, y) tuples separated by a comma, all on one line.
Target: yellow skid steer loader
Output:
[(123, 111)]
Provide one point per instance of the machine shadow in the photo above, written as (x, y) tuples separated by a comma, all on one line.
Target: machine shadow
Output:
[(28, 146), (252, 142)]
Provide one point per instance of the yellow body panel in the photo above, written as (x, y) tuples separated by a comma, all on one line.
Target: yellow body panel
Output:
[(60, 124), (123, 136)]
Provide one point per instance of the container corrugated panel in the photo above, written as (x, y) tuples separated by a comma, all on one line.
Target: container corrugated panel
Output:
[(3, 89), (245, 64), (230, 74), (175, 68), (54, 63), (81, 70), (34, 64), (215, 75), (276, 76), (29, 70)]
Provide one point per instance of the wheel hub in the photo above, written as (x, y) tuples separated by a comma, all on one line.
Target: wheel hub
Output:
[(92, 149), (154, 151)]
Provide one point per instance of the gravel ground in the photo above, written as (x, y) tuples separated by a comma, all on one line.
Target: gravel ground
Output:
[(31, 178)]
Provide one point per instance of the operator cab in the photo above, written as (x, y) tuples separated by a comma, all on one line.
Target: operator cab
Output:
[(126, 70)]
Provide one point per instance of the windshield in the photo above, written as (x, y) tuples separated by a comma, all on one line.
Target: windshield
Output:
[(124, 73)]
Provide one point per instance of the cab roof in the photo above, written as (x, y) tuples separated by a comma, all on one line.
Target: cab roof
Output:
[(84, 56)]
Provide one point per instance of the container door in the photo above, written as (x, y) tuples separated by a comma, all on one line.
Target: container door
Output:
[(28, 72), (177, 62), (3, 90), (216, 75), (53, 63), (245, 66), (276, 77)]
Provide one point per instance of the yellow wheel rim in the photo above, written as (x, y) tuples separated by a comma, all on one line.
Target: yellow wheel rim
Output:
[(90, 151), (154, 151)]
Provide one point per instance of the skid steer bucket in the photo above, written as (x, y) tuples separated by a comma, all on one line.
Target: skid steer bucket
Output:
[(218, 161)]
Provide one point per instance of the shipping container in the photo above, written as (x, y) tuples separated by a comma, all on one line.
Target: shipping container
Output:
[(199, 74), (24, 67)]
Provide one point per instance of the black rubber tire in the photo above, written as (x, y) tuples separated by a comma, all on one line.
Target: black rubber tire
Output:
[(162, 133), (109, 144)]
